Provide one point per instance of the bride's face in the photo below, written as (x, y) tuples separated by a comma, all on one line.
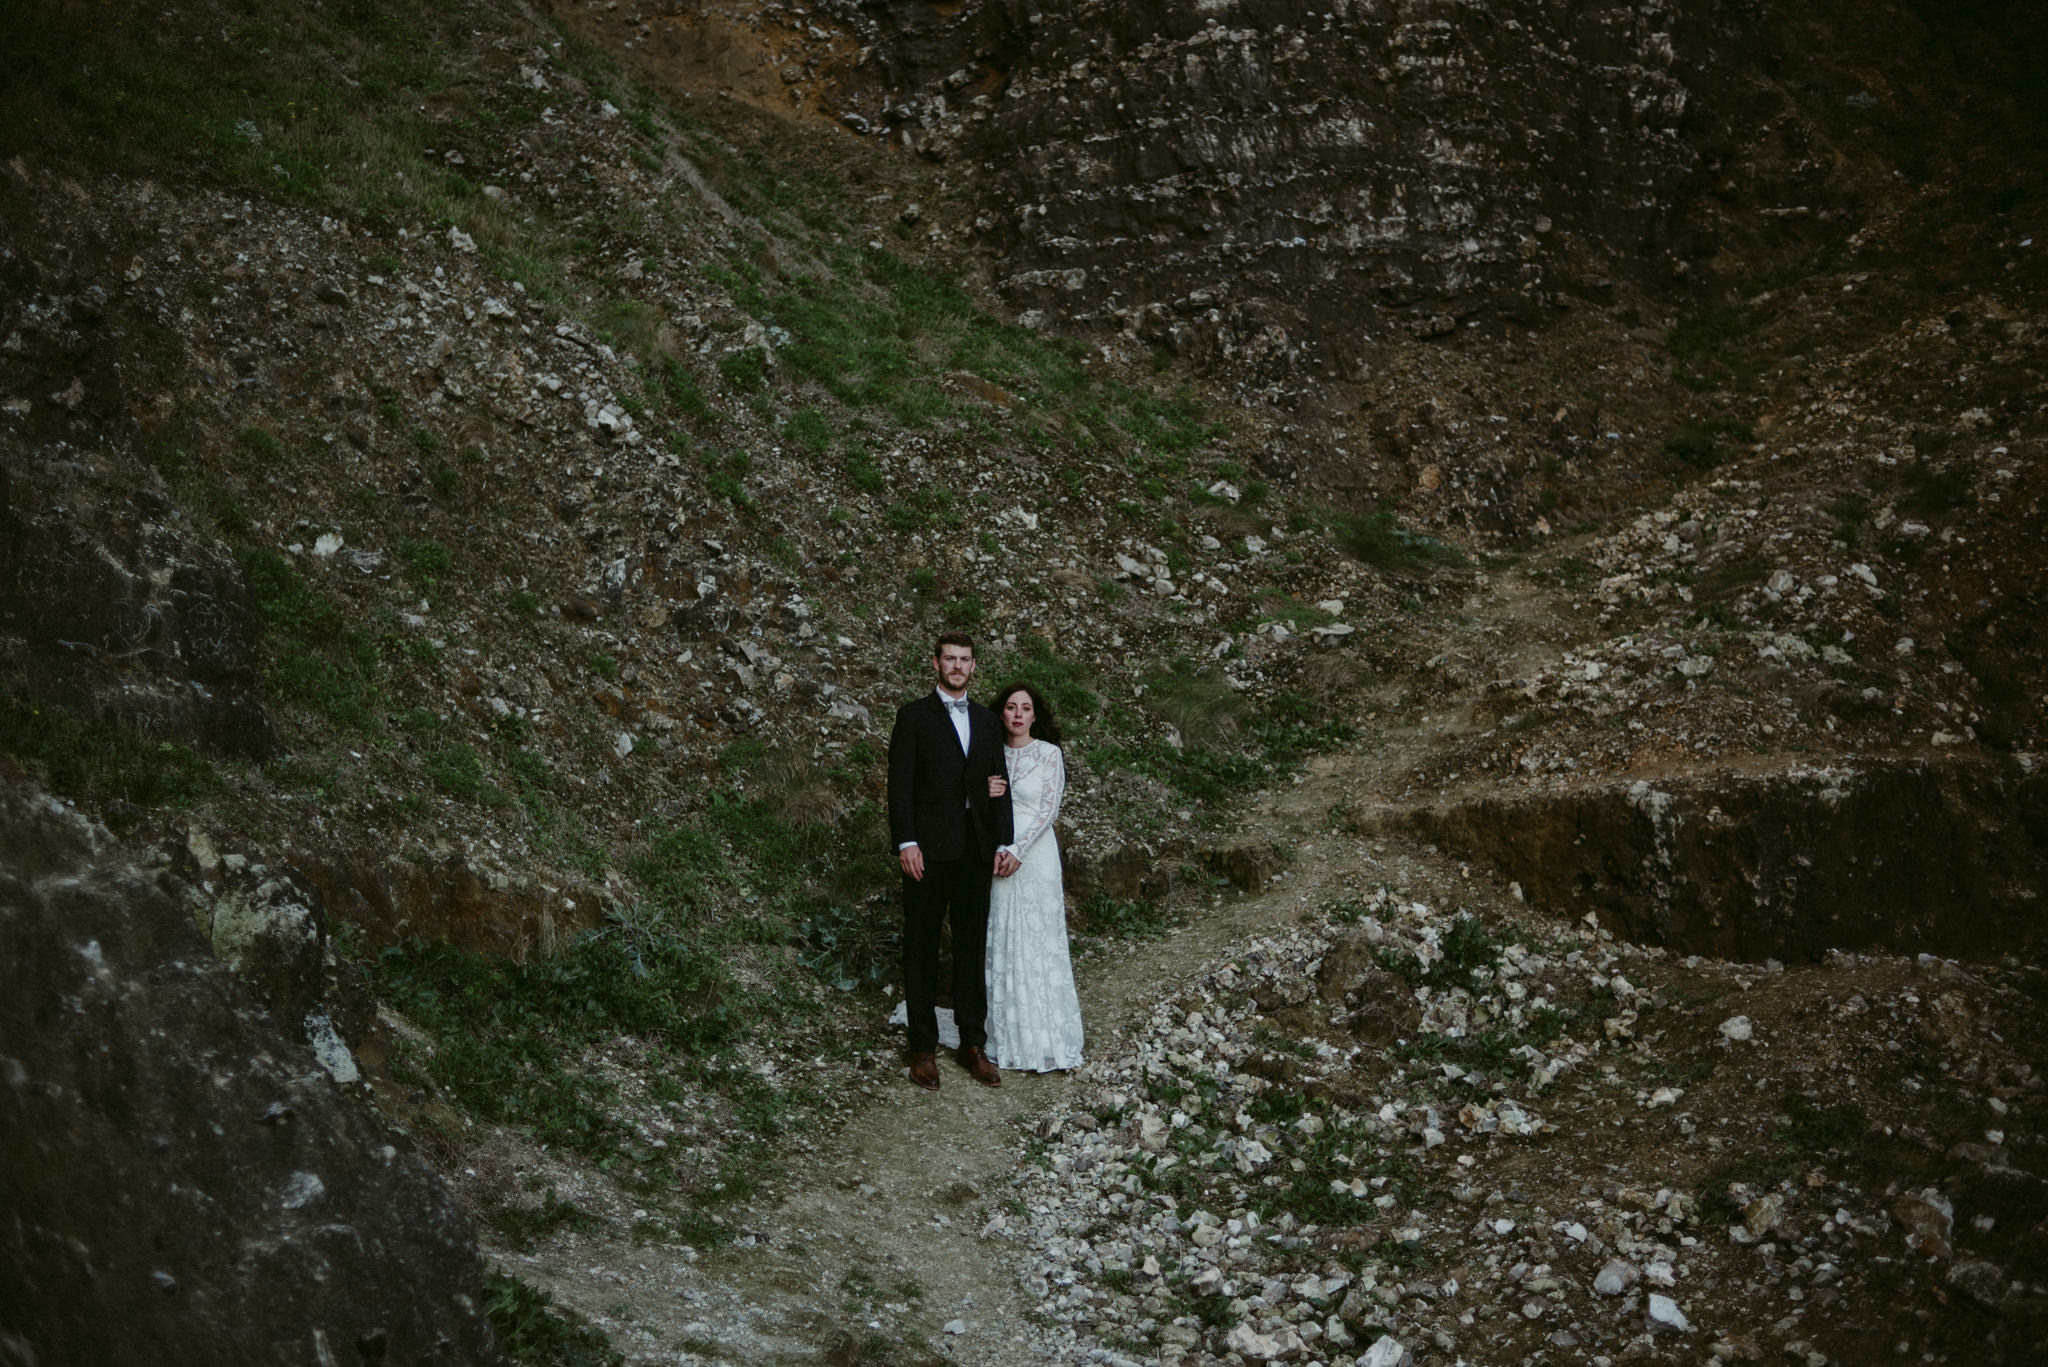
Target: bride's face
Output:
[(1018, 714)]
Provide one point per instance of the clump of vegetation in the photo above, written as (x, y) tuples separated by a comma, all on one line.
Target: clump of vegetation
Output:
[(1267, 744), (1110, 918), (100, 759), (1376, 539), (316, 659), (459, 771), (505, 1034), (1706, 444), (922, 511), (724, 474), (1201, 706), (1707, 347), (534, 1333)]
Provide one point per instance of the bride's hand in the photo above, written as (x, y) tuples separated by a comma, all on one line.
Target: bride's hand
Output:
[(997, 786)]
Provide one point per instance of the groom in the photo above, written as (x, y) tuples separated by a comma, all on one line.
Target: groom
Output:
[(942, 753)]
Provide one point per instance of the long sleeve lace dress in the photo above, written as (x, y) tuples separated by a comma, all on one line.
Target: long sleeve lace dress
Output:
[(1034, 1013)]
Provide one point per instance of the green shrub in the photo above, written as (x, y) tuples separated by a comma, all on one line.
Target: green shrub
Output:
[(862, 470), (1110, 918), (682, 392), (746, 371), (459, 771), (1375, 539), (261, 442), (100, 759), (423, 560), (1199, 704), (504, 1034), (808, 429), (535, 1334), (315, 658), (1703, 445)]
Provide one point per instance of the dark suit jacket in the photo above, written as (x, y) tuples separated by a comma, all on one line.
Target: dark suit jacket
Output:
[(938, 797)]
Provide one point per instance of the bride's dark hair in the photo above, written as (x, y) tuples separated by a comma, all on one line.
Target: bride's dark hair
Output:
[(1044, 726)]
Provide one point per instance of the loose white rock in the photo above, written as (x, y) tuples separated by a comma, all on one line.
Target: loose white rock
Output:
[(1386, 1351), (1663, 1315)]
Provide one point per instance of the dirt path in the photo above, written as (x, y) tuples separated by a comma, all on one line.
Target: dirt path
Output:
[(881, 1236)]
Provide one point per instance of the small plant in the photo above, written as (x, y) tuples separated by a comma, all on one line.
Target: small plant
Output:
[(1199, 704), (444, 479), (965, 613), (1111, 919), (602, 665), (424, 439), (1817, 1128), (682, 392), (862, 470), (1376, 539), (808, 429), (723, 475), (535, 1334), (922, 511), (100, 759), (261, 442), (316, 659), (424, 560), (459, 772), (524, 602), (1704, 445), (746, 371)]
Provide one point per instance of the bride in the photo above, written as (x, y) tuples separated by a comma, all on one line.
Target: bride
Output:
[(1034, 1013)]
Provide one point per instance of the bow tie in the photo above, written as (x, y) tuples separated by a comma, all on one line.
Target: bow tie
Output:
[(957, 706)]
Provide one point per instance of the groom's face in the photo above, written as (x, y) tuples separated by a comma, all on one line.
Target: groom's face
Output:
[(955, 665)]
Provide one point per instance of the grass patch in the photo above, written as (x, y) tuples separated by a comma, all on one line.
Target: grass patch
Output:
[(100, 759), (534, 1333), (1109, 918), (1268, 745), (316, 660), (1706, 444), (1375, 539), (326, 106), (505, 1034)]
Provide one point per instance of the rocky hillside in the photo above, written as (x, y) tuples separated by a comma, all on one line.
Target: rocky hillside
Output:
[(477, 483)]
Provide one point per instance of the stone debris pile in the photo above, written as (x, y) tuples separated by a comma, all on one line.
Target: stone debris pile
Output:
[(1375, 1138)]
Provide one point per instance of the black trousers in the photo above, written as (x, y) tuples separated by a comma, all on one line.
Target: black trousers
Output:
[(957, 888)]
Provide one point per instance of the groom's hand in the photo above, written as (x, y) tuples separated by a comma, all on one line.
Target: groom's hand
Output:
[(912, 860)]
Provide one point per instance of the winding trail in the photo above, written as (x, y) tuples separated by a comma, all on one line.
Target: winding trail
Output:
[(888, 1208)]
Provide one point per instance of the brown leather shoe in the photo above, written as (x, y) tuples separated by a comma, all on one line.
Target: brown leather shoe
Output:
[(924, 1071), (977, 1063)]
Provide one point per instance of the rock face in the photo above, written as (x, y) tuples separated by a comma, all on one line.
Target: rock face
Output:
[(121, 610), (1911, 855), (183, 1183), (1282, 187)]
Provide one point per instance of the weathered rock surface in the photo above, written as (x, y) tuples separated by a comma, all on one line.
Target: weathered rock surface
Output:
[(1914, 855), (184, 1183), (122, 611), (1282, 187)]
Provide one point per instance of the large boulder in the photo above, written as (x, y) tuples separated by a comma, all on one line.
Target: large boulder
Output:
[(182, 1182)]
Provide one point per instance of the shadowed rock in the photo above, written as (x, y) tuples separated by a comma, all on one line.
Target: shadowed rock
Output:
[(183, 1183)]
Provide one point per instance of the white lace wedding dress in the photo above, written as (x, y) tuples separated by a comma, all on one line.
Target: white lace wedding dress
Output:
[(1034, 1014)]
